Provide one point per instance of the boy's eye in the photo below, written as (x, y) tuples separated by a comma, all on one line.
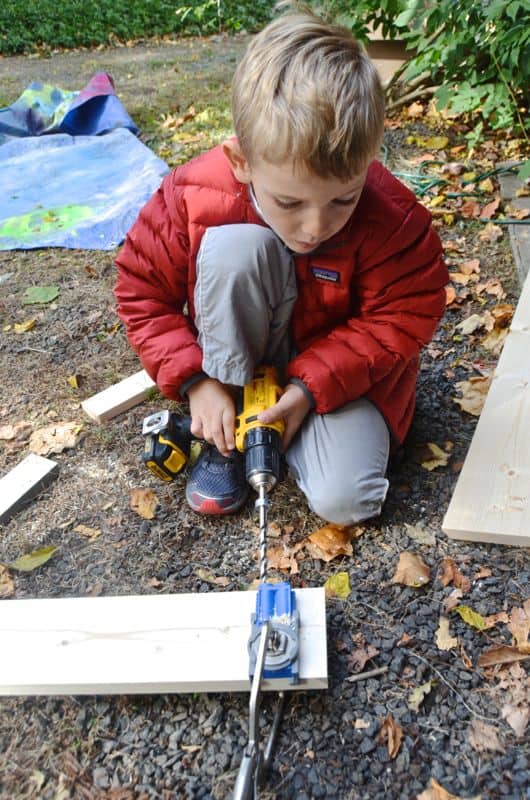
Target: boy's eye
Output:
[(348, 202), (286, 203)]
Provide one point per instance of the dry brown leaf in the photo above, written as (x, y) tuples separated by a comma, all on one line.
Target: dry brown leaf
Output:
[(453, 600), (474, 392), (444, 640), (450, 295), (415, 110), (470, 209), (460, 278), (519, 624), (491, 233), (493, 286), (451, 574), (502, 314), (493, 619), (435, 791), (518, 213), (433, 457), (358, 658), (330, 542), (7, 585), (470, 267), (494, 341), (55, 438), (391, 733), (466, 661), (490, 208), (18, 432), (517, 716), (411, 570), (483, 737), (483, 572), (209, 577), (282, 557), (90, 533), (144, 502), (501, 654)]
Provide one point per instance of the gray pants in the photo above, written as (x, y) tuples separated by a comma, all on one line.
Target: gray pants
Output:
[(244, 297)]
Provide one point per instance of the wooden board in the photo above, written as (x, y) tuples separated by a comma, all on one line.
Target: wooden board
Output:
[(519, 234), (118, 398), (491, 501), (146, 644), (24, 482)]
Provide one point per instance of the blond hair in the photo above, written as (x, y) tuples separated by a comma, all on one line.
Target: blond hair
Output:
[(306, 91)]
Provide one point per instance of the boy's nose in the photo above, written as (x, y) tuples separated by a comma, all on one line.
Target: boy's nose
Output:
[(315, 224)]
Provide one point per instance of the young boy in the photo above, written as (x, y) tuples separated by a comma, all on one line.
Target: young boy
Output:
[(290, 245)]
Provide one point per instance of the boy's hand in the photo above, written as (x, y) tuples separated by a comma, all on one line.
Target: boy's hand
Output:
[(292, 407), (213, 414)]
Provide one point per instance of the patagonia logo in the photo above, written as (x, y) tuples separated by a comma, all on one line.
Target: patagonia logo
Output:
[(326, 274)]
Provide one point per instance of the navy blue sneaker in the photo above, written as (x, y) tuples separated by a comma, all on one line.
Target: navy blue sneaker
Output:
[(217, 484)]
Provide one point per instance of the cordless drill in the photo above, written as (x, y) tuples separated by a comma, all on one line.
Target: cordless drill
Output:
[(168, 436)]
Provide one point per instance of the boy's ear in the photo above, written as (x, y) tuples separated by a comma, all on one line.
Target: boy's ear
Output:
[(238, 162)]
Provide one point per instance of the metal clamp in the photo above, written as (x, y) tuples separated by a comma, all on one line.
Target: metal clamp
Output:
[(255, 764)]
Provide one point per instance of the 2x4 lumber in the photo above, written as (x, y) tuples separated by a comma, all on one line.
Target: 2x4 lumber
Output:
[(24, 482), (119, 397), (146, 644), (491, 501)]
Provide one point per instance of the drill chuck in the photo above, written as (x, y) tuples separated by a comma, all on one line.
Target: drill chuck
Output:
[(262, 457)]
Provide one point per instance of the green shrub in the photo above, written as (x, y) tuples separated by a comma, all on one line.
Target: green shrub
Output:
[(475, 51), (26, 25)]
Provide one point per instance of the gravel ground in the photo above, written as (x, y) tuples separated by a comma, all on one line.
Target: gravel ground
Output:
[(331, 744)]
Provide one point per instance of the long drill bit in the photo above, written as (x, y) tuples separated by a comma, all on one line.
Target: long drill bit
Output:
[(262, 504)]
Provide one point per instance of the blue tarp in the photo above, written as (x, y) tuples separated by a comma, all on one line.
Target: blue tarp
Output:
[(74, 191)]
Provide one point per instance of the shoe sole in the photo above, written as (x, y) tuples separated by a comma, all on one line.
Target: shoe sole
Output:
[(210, 506)]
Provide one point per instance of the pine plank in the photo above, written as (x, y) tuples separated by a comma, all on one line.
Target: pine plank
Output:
[(491, 501), (24, 482), (119, 397), (146, 644)]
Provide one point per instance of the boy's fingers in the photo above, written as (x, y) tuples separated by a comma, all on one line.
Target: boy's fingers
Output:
[(228, 429)]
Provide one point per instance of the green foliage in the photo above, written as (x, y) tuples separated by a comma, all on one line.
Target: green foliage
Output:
[(476, 51), (26, 25)]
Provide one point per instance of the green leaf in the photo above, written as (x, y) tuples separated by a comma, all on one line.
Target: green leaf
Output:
[(40, 294), (339, 585), (471, 617), (31, 561)]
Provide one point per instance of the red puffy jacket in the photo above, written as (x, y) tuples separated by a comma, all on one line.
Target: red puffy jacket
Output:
[(368, 299)]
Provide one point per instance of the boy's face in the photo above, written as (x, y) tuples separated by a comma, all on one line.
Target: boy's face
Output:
[(303, 209)]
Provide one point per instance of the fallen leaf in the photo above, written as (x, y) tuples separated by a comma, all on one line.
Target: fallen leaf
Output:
[(19, 432), (435, 791), (492, 619), (40, 294), (483, 737), (283, 557), (330, 542), (23, 327), (516, 717), (501, 654), (144, 502), (444, 640), (502, 315), (7, 585), (359, 657), (471, 267), (433, 142), (31, 561), (494, 341), (338, 585), (451, 574), (483, 572), (471, 324), (486, 185), (518, 213), (491, 233), (55, 438), (519, 624), (209, 577), (420, 534), (415, 110), (89, 533), (361, 724), (452, 600), (434, 457), (474, 393), (466, 661), (470, 617), (73, 381), (450, 295), (411, 570), (391, 733), (470, 209), (418, 695), (493, 286), (489, 210)]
